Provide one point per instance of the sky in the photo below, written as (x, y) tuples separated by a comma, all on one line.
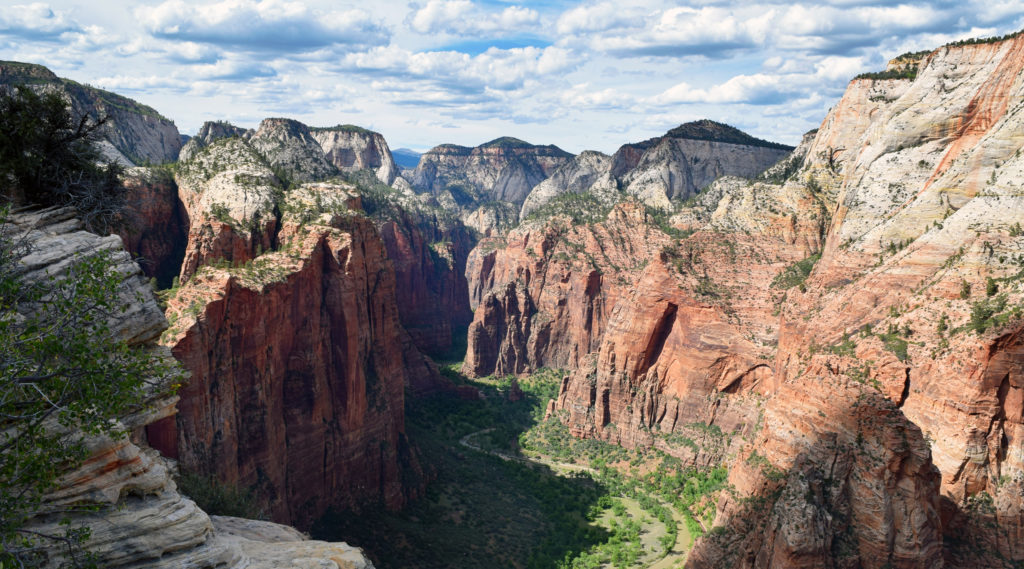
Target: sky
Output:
[(581, 75)]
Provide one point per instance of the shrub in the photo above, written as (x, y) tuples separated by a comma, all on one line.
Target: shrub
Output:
[(219, 498), (795, 274), (63, 376), (50, 157)]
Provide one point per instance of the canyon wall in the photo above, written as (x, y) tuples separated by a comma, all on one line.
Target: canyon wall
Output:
[(302, 316), (123, 491), (847, 327), (299, 366), (501, 170)]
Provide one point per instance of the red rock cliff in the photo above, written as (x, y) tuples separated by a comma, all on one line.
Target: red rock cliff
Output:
[(299, 365), (881, 392)]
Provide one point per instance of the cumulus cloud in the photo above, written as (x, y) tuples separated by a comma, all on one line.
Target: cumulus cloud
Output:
[(273, 25), (462, 18), (495, 69), (586, 96), (35, 21), (757, 89), (598, 18), (710, 31)]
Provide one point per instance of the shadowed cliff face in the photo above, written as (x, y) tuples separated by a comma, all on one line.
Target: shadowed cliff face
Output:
[(429, 255), (123, 492), (156, 224), (301, 318), (299, 365)]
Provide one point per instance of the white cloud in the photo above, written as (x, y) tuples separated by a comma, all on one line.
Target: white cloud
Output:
[(462, 17), (274, 25), (598, 18), (759, 88), (35, 21), (709, 31), (586, 96), (497, 69)]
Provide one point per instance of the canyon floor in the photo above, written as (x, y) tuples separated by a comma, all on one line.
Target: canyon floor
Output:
[(512, 489)]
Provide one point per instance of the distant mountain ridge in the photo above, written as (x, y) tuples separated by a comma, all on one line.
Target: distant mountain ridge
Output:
[(406, 158), (136, 133), (503, 169), (659, 170), (306, 153), (712, 131)]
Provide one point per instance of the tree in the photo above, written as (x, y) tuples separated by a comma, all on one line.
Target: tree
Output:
[(49, 157), (63, 377)]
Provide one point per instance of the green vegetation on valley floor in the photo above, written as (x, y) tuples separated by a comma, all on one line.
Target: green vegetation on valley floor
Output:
[(511, 489)]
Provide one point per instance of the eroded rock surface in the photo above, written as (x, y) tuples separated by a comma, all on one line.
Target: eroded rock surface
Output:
[(141, 520), (501, 170), (299, 365)]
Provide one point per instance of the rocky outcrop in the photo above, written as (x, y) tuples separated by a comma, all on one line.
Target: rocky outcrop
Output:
[(303, 154), (504, 169), (662, 170), (589, 171), (853, 488), (210, 132), (231, 196), (351, 148), (123, 491), (136, 131), (299, 365), (290, 146)]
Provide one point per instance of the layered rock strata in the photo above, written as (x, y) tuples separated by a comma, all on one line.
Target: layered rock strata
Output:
[(140, 519), (299, 365), (350, 148), (661, 170), (501, 170)]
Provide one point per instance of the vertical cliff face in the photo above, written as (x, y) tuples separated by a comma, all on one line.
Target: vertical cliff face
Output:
[(913, 296), (350, 148), (503, 170), (123, 491), (545, 292), (853, 488), (136, 132), (429, 252), (672, 167), (299, 365), (156, 225), (543, 297)]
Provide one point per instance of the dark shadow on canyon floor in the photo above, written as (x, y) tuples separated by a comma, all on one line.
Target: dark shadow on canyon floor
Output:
[(479, 510)]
